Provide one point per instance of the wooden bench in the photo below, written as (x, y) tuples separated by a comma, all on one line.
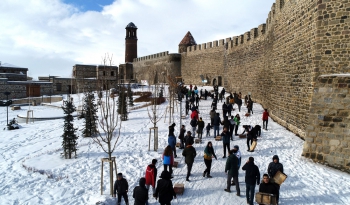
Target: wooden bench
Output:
[(197, 141), (218, 138), (183, 117), (179, 188), (177, 144), (15, 108)]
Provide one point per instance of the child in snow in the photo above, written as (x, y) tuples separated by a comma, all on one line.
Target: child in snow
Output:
[(121, 187), (208, 127)]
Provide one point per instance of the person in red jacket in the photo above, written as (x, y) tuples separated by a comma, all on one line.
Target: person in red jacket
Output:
[(265, 119), (194, 114), (151, 175)]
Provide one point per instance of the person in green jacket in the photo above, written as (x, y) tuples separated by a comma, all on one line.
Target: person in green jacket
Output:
[(237, 120), (209, 154), (231, 170)]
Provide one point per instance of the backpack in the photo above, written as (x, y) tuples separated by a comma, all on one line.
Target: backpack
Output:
[(166, 160), (193, 122)]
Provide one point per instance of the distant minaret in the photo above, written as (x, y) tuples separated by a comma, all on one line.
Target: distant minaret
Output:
[(188, 40), (130, 43)]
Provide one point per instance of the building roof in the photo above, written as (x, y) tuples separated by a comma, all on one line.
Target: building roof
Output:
[(10, 66), (188, 40), (131, 25)]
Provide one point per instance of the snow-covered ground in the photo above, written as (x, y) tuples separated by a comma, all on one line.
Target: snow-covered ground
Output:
[(54, 180)]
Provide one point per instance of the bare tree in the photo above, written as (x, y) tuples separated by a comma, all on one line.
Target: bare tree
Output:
[(155, 114), (108, 131)]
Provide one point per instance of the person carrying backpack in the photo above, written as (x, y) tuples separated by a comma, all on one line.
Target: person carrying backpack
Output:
[(193, 124)]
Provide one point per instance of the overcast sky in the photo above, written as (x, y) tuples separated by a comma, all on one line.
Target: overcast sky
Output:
[(50, 36)]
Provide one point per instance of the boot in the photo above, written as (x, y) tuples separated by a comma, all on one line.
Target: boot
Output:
[(208, 175), (227, 190), (204, 173)]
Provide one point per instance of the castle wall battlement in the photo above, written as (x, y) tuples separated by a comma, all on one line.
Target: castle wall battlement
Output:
[(153, 56), (279, 63)]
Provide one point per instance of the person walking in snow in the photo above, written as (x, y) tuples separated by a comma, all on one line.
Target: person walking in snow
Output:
[(267, 187), (172, 139), (212, 114), (231, 169), (200, 125), (168, 159), (182, 136), (209, 154), (229, 108), (232, 126), (265, 118), (121, 188), (197, 100), (237, 120), (193, 124), (187, 106), (151, 175), (239, 157), (140, 193), (165, 190), (225, 141), (252, 176), (205, 94), (224, 110), (272, 169), (189, 153), (188, 139), (208, 127), (216, 124)]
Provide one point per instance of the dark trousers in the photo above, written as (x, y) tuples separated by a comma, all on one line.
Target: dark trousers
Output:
[(170, 168), (208, 133), (235, 179), (250, 190), (236, 129), (258, 132), (189, 168), (226, 145), (249, 139), (265, 124), (239, 107), (182, 144), (211, 121), (224, 114), (174, 150), (232, 127), (200, 133), (278, 192), (208, 165), (124, 195), (187, 109)]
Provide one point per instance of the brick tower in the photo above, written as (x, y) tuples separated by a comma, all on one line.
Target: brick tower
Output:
[(130, 43), (188, 40)]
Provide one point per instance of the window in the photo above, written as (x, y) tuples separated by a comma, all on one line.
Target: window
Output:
[(58, 86), (112, 73), (104, 73)]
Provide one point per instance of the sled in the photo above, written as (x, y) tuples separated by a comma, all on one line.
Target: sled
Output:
[(183, 117), (252, 147), (218, 138), (242, 136), (265, 198), (179, 188), (279, 178), (247, 114), (15, 108), (197, 141), (177, 144), (175, 164)]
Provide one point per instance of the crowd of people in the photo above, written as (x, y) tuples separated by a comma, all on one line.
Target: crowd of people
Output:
[(163, 188)]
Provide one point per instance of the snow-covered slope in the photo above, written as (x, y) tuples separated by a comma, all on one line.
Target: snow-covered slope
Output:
[(59, 181)]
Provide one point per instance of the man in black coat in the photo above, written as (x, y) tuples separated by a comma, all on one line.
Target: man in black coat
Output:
[(273, 168), (182, 136), (252, 176), (121, 187), (200, 125), (140, 193), (267, 187), (225, 141), (189, 139), (216, 124), (165, 190), (231, 169), (187, 106), (189, 153)]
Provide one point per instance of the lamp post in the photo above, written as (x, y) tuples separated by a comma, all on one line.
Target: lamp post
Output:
[(7, 104), (50, 95)]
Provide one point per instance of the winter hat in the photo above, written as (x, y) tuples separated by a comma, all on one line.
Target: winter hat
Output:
[(142, 182), (119, 175), (251, 159), (165, 175), (173, 124), (275, 157), (236, 147), (154, 161)]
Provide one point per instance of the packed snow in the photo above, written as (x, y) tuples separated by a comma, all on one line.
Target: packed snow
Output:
[(33, 171)]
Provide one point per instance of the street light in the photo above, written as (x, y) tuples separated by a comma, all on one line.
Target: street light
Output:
[(7, 104)]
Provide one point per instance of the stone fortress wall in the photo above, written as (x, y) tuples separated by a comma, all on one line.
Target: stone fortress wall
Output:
[(279, 64), (156, 67)]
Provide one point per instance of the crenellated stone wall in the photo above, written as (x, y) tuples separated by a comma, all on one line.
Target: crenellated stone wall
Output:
[(155, 68)]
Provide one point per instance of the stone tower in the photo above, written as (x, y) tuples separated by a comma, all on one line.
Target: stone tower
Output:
[(188, 40), (130, 43)]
